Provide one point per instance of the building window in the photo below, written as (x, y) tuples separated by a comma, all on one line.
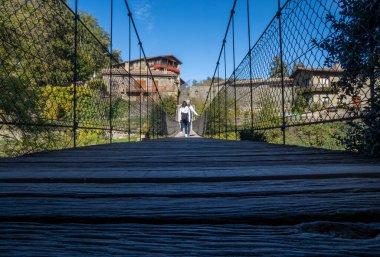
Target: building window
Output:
[(151, 84), (324, 82), (306, 82)]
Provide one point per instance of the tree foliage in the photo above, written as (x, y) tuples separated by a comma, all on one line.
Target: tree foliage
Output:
[(300, 105), (37, 56), (355, 46), (355, 43), (32, 49), (170, 105), (275, 68)]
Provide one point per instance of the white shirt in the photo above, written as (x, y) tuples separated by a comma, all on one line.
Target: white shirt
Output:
[(184, 110)]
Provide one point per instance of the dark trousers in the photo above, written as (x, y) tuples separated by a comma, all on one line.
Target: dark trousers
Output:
[(185, 125)]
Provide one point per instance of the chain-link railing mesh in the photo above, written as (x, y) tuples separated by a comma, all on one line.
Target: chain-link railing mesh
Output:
[(57, 84), (274, 90)]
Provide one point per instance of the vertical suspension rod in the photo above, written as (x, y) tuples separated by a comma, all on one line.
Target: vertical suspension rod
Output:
[(129, 78), (75, 123), (141, 99), (250, 62), (147, 101), (218, 81), (283, 126), (111, 58), (225, 92), (234, 73)]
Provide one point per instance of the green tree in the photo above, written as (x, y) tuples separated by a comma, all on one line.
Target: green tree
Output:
[(355, 46), (119, 109), (36, 44), (37, 54), (93, 25), (275, 68), (117, 56), (92, 52), (169, 104)]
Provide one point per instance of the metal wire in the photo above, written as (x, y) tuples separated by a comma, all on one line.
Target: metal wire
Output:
[(61, 83), (284, 80)]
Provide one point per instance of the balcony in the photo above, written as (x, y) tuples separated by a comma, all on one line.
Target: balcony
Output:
[(169, 68), (319, 89)]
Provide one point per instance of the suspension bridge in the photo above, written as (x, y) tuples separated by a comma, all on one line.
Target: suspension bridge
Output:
[(86, 170)]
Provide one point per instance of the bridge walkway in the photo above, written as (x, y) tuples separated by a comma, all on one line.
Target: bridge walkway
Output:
[(190, 196)]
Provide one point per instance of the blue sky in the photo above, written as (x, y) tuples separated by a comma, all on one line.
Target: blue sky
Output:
[(192, 30)]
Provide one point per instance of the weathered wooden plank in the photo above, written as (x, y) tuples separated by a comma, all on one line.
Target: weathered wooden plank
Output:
[(270, 210), (187, 240), (199, 189), (118, 174)]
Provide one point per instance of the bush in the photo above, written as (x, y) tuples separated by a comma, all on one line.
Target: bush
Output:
[(119, 109), (327, 136), (18, 102), (364, 136), (300, 105), (247, 134), (170, 106), (97, 85), (315, 107)]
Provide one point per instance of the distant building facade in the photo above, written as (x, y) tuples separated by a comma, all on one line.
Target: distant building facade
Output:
[(315, 84), (165, 69)]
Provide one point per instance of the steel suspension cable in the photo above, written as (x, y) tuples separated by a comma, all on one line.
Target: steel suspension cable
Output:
[(250, 62), (149, 71), (220, 54)]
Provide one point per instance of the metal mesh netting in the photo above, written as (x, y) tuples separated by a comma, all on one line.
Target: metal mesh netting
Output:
[(57, 84), (257, 97)]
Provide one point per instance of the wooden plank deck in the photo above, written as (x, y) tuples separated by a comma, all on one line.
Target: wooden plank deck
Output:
[(190, 197)]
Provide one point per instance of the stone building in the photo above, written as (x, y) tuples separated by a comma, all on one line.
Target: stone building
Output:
[(315, 84), (165, 69)]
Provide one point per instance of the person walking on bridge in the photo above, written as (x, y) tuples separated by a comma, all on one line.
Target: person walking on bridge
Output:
[(192, 114), (184, 118)]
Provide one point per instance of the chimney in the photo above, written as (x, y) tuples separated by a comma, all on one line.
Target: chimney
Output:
[(337, 66)]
